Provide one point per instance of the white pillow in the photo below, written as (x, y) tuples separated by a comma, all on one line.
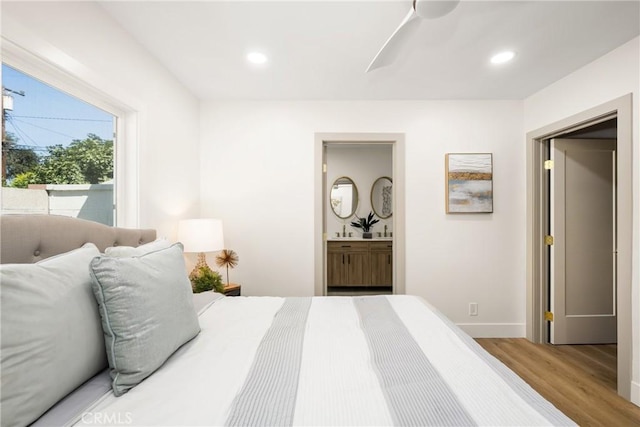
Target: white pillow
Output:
[(52, 338), (125, 251), (147, 312)]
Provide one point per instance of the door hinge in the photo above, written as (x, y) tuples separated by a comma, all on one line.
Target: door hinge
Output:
[(324, 237), (548, 316), (548, 240), (548, 164), (324, 168)]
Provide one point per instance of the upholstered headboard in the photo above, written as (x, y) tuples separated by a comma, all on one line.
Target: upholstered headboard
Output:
[(30, 238)]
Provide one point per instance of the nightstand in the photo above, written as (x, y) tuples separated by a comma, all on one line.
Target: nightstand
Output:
[(232, 290)]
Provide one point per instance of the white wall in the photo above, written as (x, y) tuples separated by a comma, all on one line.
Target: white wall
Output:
[(24, 201), (363, 165), (614, 75), (80, 39), (93, 202), (252, 151)]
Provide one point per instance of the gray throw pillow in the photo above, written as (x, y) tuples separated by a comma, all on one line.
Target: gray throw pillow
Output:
[(52, 339), (125, 251), (147, 312)]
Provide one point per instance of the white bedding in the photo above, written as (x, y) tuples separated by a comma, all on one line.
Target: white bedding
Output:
[(339, 380)]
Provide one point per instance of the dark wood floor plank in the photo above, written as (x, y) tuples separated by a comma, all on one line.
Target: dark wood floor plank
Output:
[(578, 380)]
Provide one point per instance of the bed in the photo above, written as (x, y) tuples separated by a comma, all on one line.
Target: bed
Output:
[(271, 361)]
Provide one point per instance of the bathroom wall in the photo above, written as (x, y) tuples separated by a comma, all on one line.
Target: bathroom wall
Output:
[(363, 164)]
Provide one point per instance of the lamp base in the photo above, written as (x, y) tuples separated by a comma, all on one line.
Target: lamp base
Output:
[(202, 262)]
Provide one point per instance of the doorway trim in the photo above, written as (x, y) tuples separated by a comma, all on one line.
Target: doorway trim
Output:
[(396, 140), (620, 108)]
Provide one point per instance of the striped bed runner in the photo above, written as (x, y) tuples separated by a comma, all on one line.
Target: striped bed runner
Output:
[(414, 392)]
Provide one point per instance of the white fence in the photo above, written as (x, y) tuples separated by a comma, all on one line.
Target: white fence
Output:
[(87, 201)]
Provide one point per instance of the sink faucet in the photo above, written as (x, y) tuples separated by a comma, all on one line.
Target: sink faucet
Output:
[(385, 230), (344, 232)]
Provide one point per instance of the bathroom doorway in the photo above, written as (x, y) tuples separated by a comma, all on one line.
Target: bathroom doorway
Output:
[(359, 218), (351, 169)]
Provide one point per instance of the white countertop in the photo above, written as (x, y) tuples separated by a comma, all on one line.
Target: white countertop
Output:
[(358, 239)]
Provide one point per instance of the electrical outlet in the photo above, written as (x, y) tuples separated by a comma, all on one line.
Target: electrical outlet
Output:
[(473, 309)]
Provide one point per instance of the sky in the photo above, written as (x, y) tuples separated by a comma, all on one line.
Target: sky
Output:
[(45, 116)]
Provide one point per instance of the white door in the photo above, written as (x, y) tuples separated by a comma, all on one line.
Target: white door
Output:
[(582, 219)]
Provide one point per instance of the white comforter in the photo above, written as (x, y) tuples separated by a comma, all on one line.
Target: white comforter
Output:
[(338, 380)]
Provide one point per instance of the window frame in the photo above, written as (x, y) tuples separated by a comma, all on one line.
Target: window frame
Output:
[(126, 139)]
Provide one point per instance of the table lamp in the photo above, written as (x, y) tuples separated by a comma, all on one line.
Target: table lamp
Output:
[(200, 236)]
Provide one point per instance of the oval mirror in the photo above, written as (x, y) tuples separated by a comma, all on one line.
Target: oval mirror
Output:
[(344, 197), (382, 197)]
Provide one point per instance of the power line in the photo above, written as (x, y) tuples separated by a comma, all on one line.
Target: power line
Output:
[(19, 131), (64, 118), (12, 120), (17, 147)]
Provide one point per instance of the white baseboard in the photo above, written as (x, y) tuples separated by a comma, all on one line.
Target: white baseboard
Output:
[(635, 393), (494, 330)]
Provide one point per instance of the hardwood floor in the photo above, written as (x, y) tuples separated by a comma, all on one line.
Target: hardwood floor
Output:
[(578, 380)]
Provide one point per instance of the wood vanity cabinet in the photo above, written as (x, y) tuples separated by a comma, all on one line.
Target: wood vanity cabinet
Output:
[(381, 255), (357, 263), (348, 264)]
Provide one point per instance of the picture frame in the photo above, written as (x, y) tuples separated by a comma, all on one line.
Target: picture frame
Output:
[(469, 183)]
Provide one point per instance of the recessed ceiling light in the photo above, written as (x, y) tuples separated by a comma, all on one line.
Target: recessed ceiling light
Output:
[(257, 58), (503, 57)]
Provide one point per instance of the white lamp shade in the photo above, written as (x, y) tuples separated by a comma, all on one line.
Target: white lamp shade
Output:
[(201, 235)]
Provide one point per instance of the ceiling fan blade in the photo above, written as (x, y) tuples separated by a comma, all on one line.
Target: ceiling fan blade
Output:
[(432, 9), (388, 52)]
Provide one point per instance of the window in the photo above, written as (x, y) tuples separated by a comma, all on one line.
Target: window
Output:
[(58, 151)]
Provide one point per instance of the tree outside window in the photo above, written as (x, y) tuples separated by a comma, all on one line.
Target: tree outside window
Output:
[(58, 144)]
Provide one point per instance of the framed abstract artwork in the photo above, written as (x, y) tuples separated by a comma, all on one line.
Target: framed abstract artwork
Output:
[(469, 182)]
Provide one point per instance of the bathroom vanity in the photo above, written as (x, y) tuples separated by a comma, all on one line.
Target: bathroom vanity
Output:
[(359, 263)]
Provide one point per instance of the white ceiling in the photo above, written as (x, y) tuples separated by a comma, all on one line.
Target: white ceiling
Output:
[(319, 50)]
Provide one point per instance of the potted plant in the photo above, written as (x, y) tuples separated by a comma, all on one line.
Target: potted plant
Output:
[(365, 224), (204, 279)]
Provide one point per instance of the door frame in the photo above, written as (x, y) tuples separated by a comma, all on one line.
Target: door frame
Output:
[(536, 331), (396, 140)]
